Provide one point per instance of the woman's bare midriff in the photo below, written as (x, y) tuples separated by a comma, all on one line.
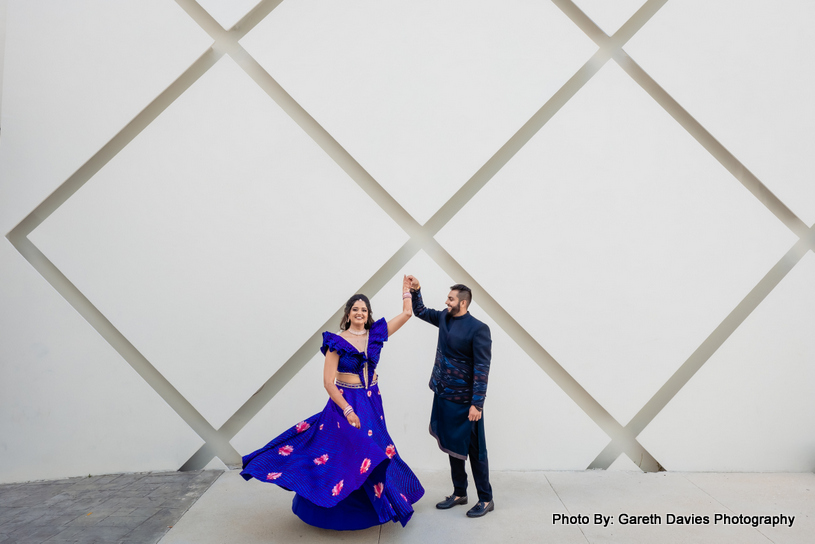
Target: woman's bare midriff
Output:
[(350, 377)]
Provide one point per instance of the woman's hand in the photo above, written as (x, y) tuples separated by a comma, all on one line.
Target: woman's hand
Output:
[(407, 308), (354, 420)]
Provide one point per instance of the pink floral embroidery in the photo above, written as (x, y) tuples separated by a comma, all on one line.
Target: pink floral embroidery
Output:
[(403, 496), (338, 424), (369, 393), (378, 489), (390, 451), (302, 426), (366, 464), (370, 432), (379, 393), (337, 489), (274, 475), (285, 450), (321, 460), (321, 426), (382, 418)]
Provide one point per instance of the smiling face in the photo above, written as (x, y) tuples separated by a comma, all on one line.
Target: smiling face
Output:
[(358, 315), (455, 306)]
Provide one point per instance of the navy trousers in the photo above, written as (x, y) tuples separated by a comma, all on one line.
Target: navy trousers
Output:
[(480, 468)]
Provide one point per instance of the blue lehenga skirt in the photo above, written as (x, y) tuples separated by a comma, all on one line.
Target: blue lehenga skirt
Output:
[(344, 478)]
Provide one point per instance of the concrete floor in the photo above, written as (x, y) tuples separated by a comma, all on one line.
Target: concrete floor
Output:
[(233, 510)]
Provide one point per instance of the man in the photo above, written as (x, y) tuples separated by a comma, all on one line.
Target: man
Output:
[(459, 384)]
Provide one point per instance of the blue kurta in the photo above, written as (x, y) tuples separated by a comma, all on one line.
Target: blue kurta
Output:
[(463, 354), (459, 379)]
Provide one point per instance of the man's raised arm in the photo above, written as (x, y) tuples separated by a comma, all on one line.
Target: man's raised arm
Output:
[(419, 309)]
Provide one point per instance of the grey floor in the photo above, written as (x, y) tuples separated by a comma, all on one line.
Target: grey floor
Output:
[(113, 508), (215, 507)]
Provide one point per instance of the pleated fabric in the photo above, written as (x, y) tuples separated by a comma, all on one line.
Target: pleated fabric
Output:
[(344, 478)]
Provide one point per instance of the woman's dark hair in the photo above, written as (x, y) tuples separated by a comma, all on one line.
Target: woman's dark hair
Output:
[(345, 322)]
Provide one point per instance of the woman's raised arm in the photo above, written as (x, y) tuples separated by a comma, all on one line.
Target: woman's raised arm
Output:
[(407, 309)]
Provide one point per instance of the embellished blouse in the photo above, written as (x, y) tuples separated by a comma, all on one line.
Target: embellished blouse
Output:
[(352, 360)]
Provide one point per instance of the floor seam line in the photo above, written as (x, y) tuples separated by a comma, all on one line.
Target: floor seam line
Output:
[(722, 504), (564, 505)]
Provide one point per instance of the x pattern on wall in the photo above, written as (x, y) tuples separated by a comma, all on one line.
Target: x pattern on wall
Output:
[(623, 438)]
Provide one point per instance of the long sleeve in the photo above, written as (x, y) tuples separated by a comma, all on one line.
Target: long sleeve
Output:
[(482, 354), (423, 313)]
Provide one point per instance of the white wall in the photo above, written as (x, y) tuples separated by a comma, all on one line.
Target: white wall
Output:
[(185, 209), (3, 6)]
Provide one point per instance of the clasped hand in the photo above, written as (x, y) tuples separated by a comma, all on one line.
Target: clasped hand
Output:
[(412, 282)]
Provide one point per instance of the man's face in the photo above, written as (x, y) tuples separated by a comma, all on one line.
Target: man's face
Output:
[(454, 304)]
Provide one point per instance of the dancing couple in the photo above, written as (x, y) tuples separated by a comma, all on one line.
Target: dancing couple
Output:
[(341, 463)]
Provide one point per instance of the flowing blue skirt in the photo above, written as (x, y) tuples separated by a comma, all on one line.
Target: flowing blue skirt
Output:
[(343, 478)]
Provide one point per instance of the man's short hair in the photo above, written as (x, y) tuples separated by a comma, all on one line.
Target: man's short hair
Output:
[(464, 293)]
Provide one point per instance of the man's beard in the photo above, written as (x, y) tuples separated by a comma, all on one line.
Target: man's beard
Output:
[(454, 310)]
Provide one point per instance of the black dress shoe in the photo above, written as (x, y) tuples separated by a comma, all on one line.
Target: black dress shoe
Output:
[(480, 509), (451, 501)]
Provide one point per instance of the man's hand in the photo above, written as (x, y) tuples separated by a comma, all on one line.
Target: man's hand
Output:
[(414, 283), (406, 283), (475, 414)]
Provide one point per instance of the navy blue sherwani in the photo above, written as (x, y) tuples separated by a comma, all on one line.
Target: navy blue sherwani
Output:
[(458, 381)]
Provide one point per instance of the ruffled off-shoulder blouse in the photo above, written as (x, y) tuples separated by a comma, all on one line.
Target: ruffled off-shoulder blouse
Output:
[(353, 361)]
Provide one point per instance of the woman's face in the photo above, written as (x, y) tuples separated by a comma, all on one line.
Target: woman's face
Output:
[(358, 314)]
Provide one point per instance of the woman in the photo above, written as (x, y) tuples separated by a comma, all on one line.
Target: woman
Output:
[(341, 463)]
